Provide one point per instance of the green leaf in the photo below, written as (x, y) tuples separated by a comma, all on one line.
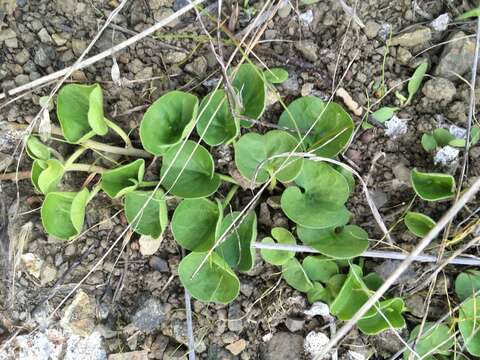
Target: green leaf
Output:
[(433, 186), (280, 236), (416, 80), (190, 172), (348, 175), (373, 281), (215, 120), (194, 222), (428, 142), (167, 121), (318, 293), (236, 249), (63, 213), (214, 282), (338, 243), (467, 284), (418, 224), (123, 179), (443, 137), (474, 135), (457, 143), (253, 150), (469, 323), (333, 126), (276, 75), (153, 220), (295, 276), (471, 13), (36, 149), (435, 340), (80, 112), (46, 175), (375, 323), (319, 268), (384, 113), (318, 201), (250, 84)]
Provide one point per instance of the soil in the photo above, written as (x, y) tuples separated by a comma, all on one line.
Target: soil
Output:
[(136, 302)]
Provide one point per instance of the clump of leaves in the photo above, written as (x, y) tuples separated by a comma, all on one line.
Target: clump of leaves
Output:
[(442, 137)]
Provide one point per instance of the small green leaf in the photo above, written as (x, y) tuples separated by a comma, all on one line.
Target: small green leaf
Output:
[(375, 323), (384, 113), (63, 213), (295, 276), (333, 127), (80, 112), (435, 340), (46, 175), (319, 268), (467, 284), (215, 120), (469, 323), (428, 142), (153, 220), (418, 224), (474, 135), (433, 186), (214, 282), (416, 80), (443, 137), (471, 13), (236, 249), (338, 243), (276, 75), (167, 121), (36, 149), (457, 143), (318, 293), (280, 236), (190, 172), (253, 150), (250, 84), (123, 179), (194, 222), (373, 281)]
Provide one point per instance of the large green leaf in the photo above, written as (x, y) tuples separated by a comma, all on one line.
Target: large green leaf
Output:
[(387, 314), (194, 223), (418, 224), (46, 175), (333, 127), (318, 201), (469, 325), (467, 284), (250, 84), (435, 340), (63, 213), (167, 121), (123, 179), (190, 172), (319, 268), (80, 112), (280, 236), (236, 249), (153, 220), (433, 186), (339, 243), (295, 276), (215, 120), (253, 150), (214, 282), (36, 149)]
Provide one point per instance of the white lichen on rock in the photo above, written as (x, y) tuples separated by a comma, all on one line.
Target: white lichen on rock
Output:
[(446, 155), (396, 127), (315, 343)]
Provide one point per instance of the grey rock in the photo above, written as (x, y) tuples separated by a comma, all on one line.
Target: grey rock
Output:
[(446, 156), (308, 49), (178, 4), (401, 172), (149, 316), (379, 198), (387, 343), (235, 323), (22, 79), (79, 316), (159, 264), (7, 34), (403, 55), (294, 325), (306, 18), (291, 85), (439, 89), (386, 268), (441, 22), (175, 57), (12, 43), (78, 46), (415, 305), (283, 346), (22, 57), (180, 335), (198, 66), (44, 36), (284, 11), (413, 38), (371, 29), (457, 56), (458, 111), (44, 56), (69, 250)]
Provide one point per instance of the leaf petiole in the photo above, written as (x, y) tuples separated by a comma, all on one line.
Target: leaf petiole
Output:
[(227, 178), (85, 168), (74, 156), (120, 132), (148, 183), (229, 196)]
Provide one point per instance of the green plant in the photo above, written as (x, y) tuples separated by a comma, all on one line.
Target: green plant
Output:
[(413, 84), (442, 137), (436, 340), (433, 186), (418, 224)]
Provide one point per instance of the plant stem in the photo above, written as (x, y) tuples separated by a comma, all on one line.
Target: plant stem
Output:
[(117, 150), (74, 156), (273, 183), (120, 132), (230, 195), (85, 167), (227, 178), (148, 183)]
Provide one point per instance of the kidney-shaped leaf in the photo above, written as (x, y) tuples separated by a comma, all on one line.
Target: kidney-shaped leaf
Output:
[(319, 268), (236, 249), (194, 223), (391, 309), (46, 175), (63, 213), (339, 243), (467, 284), (332, 130), (433, 186), (215, 120), (153, 220), (253, 150), (36, 149), (190, 174), (435, 340), (250, 85), (469, 323), (80, 112), (418, 224), (276, 75), (319, 200), (295, 276), (167, 121), (214, 282), (280, 236), (123, 179)]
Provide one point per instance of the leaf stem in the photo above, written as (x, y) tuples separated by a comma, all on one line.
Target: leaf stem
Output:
[(230, 195), (227, 178), (117, 150), (74, 156), (85, 167), (148, 183), (120, 132)]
